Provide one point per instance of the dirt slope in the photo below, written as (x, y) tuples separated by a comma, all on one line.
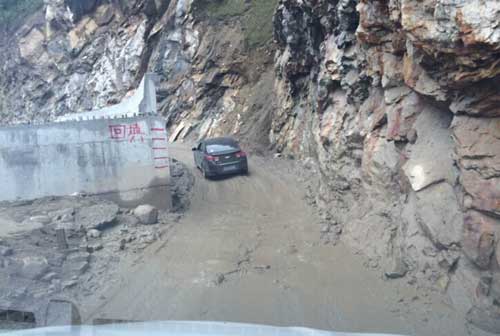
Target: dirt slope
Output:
[(249, 250)]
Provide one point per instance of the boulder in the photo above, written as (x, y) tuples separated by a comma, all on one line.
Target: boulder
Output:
[(146, 214), (97, 216), (397, 269), (93, 233), (33, 268), (94, 248)]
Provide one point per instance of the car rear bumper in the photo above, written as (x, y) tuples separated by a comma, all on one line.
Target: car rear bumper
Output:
[(237, 167)]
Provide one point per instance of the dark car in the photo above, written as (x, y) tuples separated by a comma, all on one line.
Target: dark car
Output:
[(220, 156)]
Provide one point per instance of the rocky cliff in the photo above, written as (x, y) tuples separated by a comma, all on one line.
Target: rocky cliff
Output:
[(391, 106), (397, 103)]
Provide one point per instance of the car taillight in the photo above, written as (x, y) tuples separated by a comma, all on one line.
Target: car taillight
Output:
[(241, 154), (212, 158)]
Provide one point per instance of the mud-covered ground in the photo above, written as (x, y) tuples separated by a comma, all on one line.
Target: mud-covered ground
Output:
[(251, 249), (245, 249), (101, 237)]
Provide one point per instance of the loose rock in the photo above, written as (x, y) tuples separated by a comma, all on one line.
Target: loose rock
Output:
[(34, 268), (94, 234), (97, 216), (146, 214), (397, 269), (94, 248)]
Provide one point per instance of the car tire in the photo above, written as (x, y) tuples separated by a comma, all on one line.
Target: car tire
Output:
[(244, 172), (204, 173)]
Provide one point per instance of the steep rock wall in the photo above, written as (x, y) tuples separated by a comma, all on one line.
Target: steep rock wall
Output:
[(396, 102)]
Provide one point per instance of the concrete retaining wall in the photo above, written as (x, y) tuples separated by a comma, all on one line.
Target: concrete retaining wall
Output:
[(123, 159)]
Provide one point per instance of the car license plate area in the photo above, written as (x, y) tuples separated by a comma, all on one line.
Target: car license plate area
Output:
[(229, 168)]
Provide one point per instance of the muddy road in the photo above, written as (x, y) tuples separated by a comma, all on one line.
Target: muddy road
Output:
[(249, 250)]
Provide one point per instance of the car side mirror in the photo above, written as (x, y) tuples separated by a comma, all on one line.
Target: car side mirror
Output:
[(194, 149)]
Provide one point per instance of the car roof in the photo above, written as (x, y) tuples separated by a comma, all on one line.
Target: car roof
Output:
[(221, 141)]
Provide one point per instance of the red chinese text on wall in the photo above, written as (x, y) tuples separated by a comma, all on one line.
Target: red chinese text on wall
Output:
[(130, 132)]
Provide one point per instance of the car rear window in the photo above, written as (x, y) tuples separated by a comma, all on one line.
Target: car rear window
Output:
[(216, 148)]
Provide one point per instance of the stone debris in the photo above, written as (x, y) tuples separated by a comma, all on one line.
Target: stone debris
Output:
[(94, 248), (64, 215), (128, 221), (397, 269), (98, 216), (94, 234), (146, 214), (33, 267), (90, 257)]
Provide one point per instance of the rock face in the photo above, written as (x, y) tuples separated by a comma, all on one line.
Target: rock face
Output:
[(395, 103), (81, 55), (398, 101)]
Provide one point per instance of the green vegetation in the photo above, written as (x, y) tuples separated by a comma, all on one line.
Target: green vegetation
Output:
[(256, 16), (258, 22), (13, 12)]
